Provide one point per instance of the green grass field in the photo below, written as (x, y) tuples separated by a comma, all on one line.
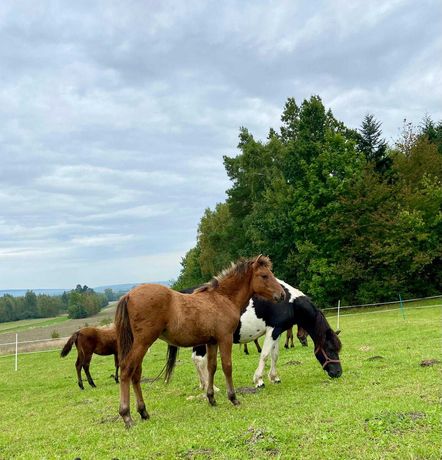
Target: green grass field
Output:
[(386, 405), (24, 325)]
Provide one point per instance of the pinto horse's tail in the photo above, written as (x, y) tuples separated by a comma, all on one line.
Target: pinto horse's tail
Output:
[(125, 337), (68, 345), (172, 353)]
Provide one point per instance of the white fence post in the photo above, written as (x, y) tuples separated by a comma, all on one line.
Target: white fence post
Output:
[(339, 310), (16, 351)]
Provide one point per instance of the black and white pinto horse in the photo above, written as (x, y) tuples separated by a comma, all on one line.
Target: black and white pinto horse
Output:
[(262, 317)]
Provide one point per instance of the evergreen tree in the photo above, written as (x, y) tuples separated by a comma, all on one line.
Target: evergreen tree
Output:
[(372, 145)]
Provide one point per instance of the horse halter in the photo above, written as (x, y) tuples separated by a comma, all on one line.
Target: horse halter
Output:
[(328, 360)]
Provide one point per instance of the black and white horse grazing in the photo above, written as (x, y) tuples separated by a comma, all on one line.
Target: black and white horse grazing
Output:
[(264, 318)]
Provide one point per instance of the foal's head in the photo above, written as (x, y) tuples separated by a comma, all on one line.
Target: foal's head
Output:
[(263, 282), (254, 274), (327, 347)]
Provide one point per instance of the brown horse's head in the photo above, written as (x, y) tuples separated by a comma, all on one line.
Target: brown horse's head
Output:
[(263, 282)]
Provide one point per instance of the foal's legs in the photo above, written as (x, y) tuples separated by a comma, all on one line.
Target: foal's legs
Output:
[(212, 351), (289, 338), (266, 349), (78, 366), (225, 348), (86, 363)]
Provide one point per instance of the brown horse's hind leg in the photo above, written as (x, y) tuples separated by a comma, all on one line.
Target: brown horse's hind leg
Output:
[(127, 369), (212, 351), (141, 406), (225, 348)]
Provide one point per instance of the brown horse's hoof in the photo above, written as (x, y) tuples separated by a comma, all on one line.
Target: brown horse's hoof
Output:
[(235, 402), (144, 414), (211, 400), (128, 423)]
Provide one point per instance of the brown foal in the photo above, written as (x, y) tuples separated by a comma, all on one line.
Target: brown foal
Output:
[(301, 335), (208, 316), (90, 340)]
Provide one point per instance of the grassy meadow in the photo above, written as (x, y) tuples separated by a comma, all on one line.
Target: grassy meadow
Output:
[(386, 405)]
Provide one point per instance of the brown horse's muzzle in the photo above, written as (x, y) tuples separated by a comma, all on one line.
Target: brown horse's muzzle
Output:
[(279, 296)]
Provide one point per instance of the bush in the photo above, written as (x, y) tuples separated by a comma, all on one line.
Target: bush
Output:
[(55, 334)]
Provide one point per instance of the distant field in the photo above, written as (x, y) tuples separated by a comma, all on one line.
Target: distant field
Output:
[(42, 328), (385, 406)]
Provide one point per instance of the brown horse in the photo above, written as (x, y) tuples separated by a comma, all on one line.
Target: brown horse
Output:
[(90, 340), (301, 335), (208, 316)]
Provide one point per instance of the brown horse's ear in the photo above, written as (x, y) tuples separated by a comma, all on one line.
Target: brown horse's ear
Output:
[(256, 262)]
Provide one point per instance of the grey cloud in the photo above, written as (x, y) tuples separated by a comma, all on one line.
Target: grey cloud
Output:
[(114, 117)]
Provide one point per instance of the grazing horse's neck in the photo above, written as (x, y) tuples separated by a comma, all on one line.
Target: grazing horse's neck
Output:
[(238, 292), (305, 314)]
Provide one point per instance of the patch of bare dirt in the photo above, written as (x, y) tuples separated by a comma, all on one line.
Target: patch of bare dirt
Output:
[(293, 362), (246, 390), (429, 362), (109, 419), (255, 435)]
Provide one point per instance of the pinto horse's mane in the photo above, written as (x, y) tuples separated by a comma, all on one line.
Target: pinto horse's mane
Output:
[(237, 269), (322, 328)]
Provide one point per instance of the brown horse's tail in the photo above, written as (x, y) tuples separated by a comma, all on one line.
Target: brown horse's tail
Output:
[(172, 353), (68, 346), (125, 338)]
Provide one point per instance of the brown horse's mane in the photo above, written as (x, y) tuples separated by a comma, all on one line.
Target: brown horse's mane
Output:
[(237, 269)]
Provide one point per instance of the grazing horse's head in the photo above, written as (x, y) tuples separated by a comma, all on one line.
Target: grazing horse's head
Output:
[(263, 281), (327, 347)]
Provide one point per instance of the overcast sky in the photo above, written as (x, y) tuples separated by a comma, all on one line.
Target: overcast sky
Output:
[(114, 116)]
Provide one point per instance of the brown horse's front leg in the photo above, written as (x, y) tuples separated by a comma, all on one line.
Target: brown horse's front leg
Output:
[(225, 348), (212, 351)]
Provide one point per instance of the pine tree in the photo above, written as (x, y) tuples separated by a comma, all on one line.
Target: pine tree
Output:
[(372, 145)]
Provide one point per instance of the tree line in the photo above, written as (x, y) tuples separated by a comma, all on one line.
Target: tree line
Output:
[(342, 214), (80, 302)]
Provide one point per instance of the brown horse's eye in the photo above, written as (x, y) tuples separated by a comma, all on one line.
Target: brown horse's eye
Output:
[(264, 277)]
